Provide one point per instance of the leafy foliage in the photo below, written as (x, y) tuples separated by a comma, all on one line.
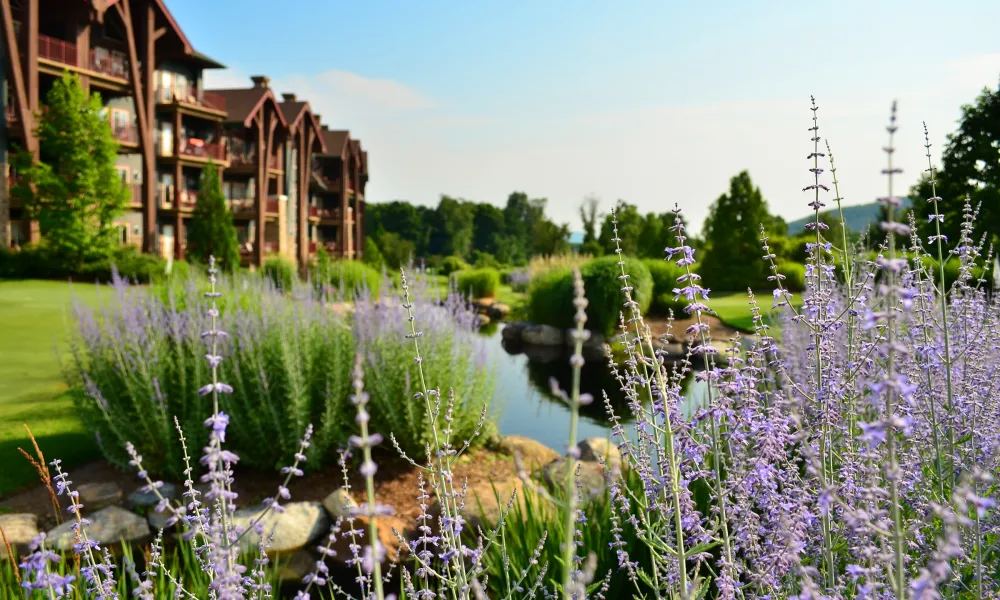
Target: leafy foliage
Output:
[(732, 237), (211, 231), (74, 191), (478, 283), (279, 271)]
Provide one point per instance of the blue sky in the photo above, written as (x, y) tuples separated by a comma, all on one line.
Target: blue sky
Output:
[(655, 102)]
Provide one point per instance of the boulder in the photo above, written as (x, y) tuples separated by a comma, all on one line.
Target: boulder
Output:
[(482, 509), (597, 449), (498, 311), (482, 319), (386, 536), (19, 529), (108, 526), (158, 520), (300, 524), (139, 498), (512, 331), (542, 335), (95, 496), (293, 566), (338, 504), (542, 354), (533, 453), (591, 477)]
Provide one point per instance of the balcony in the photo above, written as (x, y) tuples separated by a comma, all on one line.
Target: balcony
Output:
[(125, 133), (242, 206), (189, 198), (197, 148), (242, 159), (11, 111), (313, 212), (313, 247), (272, 205), (190, 97), (270, 247), (104, 61), (165, 198)]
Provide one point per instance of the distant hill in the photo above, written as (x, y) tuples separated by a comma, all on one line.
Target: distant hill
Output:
[(857, 217)]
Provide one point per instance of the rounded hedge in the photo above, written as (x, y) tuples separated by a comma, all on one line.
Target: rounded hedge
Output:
[(450, 264), (477, 283), (550, 300), (664, 274), (795, 276), (350, 276)]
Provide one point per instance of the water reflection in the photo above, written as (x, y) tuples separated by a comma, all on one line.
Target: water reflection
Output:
[(526, 406)]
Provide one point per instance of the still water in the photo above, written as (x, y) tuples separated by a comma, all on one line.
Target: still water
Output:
[(527, 407)]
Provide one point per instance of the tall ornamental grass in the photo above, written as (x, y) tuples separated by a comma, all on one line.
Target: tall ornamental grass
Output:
[(850, 454)]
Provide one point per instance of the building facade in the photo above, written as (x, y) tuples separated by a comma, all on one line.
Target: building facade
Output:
[(170, 128)]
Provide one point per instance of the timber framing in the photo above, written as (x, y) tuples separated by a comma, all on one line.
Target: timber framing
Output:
[(169, 127)]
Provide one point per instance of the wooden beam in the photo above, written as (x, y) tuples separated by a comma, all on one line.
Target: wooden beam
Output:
[(262, 182), (178, 178), (30, 28), (81, 33), (159, 33), (15, 72), (304, 156)]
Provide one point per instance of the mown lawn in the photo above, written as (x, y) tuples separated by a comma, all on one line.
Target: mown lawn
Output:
[(733, 308), (35, 317)]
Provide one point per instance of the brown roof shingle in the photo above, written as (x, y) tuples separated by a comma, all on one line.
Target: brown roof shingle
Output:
[(243, 103), (336, 141)]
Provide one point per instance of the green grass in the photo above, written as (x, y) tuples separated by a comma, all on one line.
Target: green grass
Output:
[(36, 317), (733, 308)]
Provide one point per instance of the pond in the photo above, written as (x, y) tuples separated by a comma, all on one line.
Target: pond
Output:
[(527, 407)]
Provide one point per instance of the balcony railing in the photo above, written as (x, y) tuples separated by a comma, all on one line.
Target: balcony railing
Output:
[(313, 247), (202, 149), (272, 205), (241, 205), (11, 111), (313, 212), (328, 213), (57, 50), (190, 96), (242, 159), (270, 247), (189, 198), (126, 134), (109, 62), (102, 60)]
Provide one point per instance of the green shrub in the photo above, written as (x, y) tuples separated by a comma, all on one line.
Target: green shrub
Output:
[(37, 261), (665, 274), (550, 299), (346, 277), (451, 264), (477, 283), (280, 271), (484, 260), (795, 276)]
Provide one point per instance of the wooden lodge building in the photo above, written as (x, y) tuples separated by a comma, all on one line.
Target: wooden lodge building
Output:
[(293, 184)]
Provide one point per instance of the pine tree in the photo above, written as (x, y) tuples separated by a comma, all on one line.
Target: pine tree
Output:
[(211, 231), (74, 192), (732, 258)]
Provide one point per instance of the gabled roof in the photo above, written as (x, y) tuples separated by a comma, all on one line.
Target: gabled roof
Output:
[(103, 5), (296, 112), (243, 104), (336, 141)]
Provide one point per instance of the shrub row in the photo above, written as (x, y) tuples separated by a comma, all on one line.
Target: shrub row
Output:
[(36, 261), (477, 283)]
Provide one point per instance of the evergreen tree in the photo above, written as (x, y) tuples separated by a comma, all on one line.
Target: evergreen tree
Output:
[(211, 231), (74, 191), (970, 166), (732, 255)]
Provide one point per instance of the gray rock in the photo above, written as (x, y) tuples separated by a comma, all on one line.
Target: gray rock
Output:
[(139, 498), (591, 477), (95, 496), (542, 354), (542, 335), (597, 449), (593, 346), (108, 526), (338, 504), (19, 529), (157, 520), (512, 331), (300, 524)]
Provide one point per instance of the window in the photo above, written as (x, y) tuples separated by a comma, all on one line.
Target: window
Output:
[(123, 234), (120, 119), (123, 173), (166, 139)]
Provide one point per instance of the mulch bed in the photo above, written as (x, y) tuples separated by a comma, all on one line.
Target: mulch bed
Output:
[(395, 483)]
